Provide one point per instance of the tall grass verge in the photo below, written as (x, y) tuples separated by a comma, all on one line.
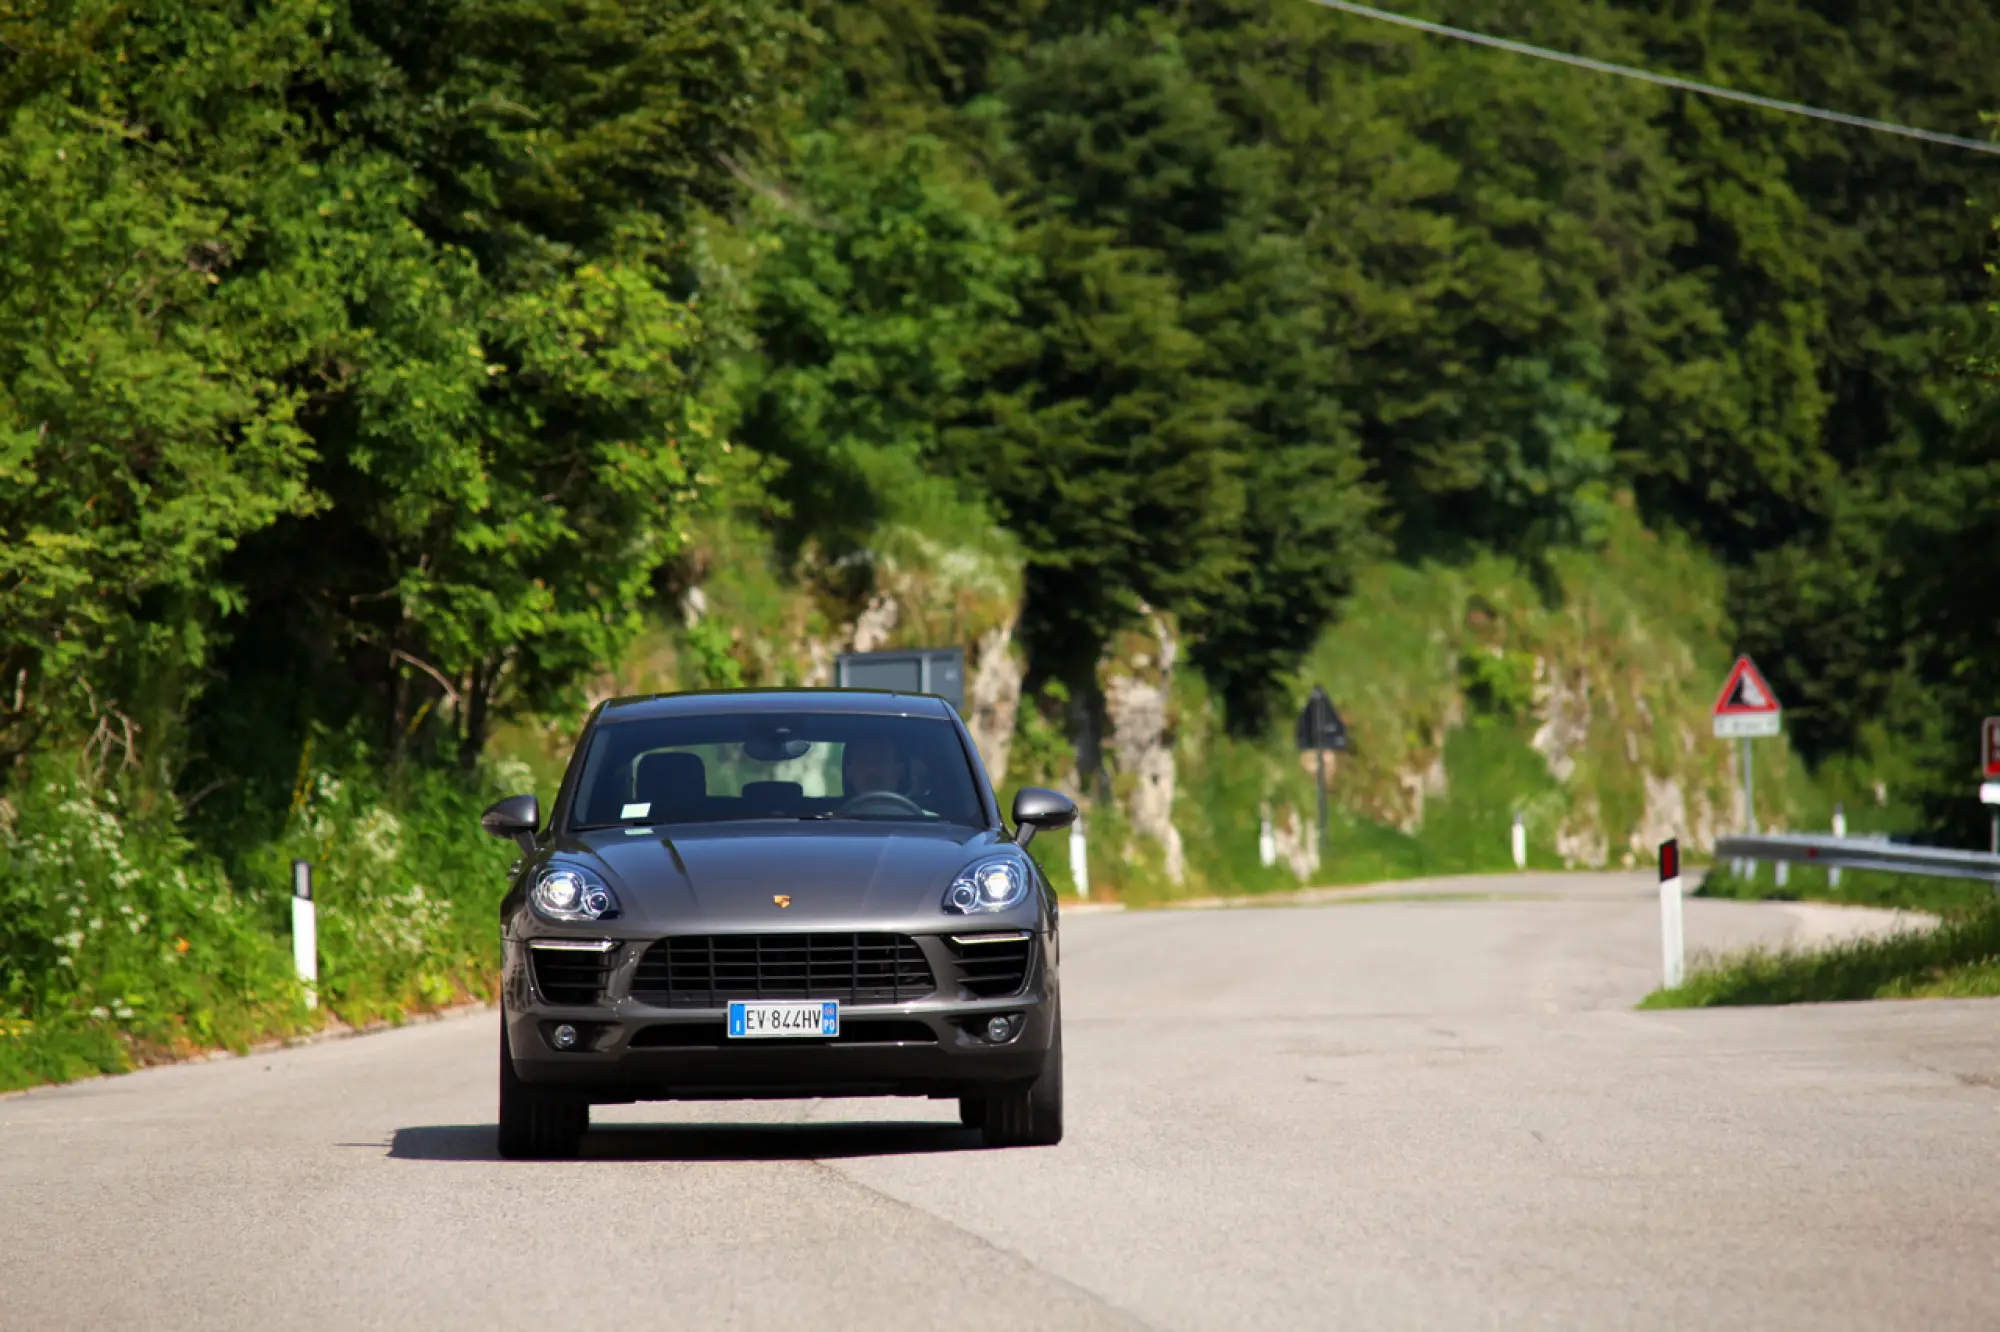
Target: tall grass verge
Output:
[(1959, 958), (122, 943)]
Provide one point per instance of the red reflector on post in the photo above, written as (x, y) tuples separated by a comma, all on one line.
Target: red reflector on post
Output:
[(1670, 859)]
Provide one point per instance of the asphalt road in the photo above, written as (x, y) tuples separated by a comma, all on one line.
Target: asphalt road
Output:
[(1387, 1114)]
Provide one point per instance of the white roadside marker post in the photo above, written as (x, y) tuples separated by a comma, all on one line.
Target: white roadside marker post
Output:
[(305, 931), (1673, 946), (1267, 842), (1077, 868), (1520, 842), (1839, 830)]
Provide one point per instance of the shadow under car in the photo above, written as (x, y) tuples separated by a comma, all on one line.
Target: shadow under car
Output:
[(702, 1142)]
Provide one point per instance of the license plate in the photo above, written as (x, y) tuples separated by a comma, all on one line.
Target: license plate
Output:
[(793, 1017)]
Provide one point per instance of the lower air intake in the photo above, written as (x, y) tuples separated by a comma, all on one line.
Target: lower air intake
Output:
[(992, 966), (569, 976)]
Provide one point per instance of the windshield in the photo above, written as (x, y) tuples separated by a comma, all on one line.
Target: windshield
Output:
[(762, 765)]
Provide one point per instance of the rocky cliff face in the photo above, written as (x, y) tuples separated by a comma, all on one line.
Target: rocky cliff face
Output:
[(1471, 693), (1137, 678), (790, 627), (993, 697), (1606, 678)]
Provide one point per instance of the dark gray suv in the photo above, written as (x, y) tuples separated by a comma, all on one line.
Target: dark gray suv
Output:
[(778, 893)]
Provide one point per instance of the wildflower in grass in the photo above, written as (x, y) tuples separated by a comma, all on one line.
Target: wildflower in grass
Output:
[(379, 835)]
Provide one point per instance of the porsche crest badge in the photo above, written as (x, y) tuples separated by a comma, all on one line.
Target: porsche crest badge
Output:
[(782, 899)]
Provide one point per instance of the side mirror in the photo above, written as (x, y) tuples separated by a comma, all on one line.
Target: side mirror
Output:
[(516, 817), (1036, 808)]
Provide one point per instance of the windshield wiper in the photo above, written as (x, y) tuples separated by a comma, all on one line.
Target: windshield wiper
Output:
[(924, 817)]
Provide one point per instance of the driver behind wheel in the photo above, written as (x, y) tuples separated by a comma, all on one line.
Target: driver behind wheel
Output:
[(873, 765)]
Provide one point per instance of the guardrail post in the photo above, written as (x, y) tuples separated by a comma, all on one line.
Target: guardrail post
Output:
[(305, 931)]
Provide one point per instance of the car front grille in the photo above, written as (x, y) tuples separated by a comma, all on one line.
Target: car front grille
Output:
[(571, 975), (708, 970), (992, 966)]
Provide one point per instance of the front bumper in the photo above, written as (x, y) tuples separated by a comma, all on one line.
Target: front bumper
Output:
[(631, 1050)]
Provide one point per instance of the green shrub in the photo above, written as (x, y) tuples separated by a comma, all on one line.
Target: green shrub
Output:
[(407, 887), (118, 939), (122, 942)]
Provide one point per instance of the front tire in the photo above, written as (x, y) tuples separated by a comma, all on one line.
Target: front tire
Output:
[(537, 1123), (1030, 1116)]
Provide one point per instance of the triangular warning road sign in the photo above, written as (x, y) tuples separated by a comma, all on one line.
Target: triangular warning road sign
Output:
[(1745, 692)]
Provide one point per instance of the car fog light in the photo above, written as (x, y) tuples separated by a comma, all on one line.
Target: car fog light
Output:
[(564, 1037), (999, 1029)]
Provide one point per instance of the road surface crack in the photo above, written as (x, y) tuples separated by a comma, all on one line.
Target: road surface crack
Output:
[(1092, 1296)]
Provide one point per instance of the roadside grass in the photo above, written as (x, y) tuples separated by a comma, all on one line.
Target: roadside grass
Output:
[(1960, 958), (123, 944)]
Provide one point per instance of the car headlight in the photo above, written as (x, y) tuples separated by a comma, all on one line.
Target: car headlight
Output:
[(571, 893), (997, 883)]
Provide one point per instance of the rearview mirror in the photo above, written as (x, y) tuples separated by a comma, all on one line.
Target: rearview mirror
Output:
[(776, 749), (1036, 808), (516, 817)]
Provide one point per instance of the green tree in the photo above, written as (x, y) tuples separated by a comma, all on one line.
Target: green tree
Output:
[(510, 434), (1106, 450), (145, 428), (880, 269), (1117, 131), (1849, 275)]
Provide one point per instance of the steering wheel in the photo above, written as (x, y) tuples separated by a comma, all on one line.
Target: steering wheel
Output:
[(895, 801)]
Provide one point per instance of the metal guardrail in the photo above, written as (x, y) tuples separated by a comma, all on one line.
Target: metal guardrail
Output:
[(1860, 853)]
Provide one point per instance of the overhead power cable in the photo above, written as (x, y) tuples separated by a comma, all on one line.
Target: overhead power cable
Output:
[(1663, 80)]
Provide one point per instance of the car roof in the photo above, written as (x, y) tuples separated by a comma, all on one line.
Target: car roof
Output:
[(876, 702)]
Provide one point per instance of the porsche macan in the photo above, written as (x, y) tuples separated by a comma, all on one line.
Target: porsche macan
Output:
[(776, 894)]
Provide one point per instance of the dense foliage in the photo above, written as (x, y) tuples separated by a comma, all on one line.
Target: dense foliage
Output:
[(1416, 290), (364, 368)]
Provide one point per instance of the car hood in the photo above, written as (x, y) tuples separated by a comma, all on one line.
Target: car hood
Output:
[(727, 877)]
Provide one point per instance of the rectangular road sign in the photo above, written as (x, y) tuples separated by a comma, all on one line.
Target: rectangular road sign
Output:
[(1731, 726), (939, 671), (1989, 748)]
